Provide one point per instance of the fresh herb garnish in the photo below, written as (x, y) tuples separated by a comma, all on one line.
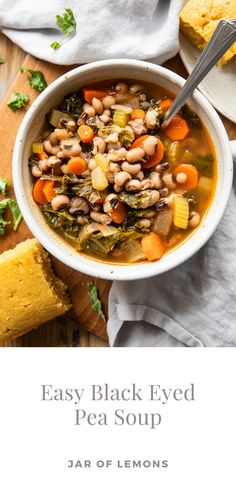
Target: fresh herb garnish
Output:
[(37, 80), (2, 61), (67, 24), (4, 184), (95, 301), (188, 114), (17, 101), (204, 164), (15, 211)]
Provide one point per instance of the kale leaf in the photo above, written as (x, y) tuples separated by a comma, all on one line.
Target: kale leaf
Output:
[(73, 104), (189, 115), (15, 211), (204, 164)]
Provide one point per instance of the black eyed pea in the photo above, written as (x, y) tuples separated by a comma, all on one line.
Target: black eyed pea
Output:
[(110, 177), (100, 217), (110, 202), (142, 97), (135, 155), (168, 181), (112, 138), (108, 101), (139, 176), (60, 202), (151, 119), (136, 88), (132, 169), (133, 185), (79, 206), (144, 223), (43, 165), (51, 150), (150, 213), (117, 188), (53, 138), (181, 178), (107, 112), (67, 151), (156, 180), (89, 110), (62, 134), (92, 164), (146, 184), (162, 167), (104, 118), (121, 87), (113, 146), (150, 145), (35, 171), (53, 161), (114, 168), (121, 178), (64, 169), (148, 198), (194, 220), (97, 105), (99, 145), (163, 191), (117, 155), (82, 220)]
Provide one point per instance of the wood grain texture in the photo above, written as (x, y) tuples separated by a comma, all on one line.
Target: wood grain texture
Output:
[(71, 330)]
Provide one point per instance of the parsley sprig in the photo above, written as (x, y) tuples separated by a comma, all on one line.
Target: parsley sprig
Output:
[(67, 24), (95, 301), (17, 101), (36, 78)]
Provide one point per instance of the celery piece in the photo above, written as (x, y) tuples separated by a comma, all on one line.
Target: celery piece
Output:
[(180, 212), (56, 116), (37, 147), (120, 118), (205, 185)]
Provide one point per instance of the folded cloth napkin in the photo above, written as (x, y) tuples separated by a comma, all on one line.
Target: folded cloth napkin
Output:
[(192, 305), (141, 29)]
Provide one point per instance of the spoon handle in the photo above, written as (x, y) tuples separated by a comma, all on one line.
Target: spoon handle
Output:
[(223, 37)]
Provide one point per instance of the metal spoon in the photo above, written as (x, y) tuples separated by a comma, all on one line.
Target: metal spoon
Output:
[(223, 37)]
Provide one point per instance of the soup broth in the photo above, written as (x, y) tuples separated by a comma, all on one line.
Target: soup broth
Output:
[(112, 182)]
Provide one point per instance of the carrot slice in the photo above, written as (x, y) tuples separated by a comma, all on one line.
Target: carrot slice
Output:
[(157, 157), (90, 93), (119, 213), (178, 129), (154, 159), (38, 193), (165, 104), (48, 190), (42, 156), (76, 165), (137, 113), (153, 246), (192, 175), (85, 133)]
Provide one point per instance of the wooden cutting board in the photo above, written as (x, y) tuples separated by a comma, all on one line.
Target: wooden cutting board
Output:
[(76, 282)]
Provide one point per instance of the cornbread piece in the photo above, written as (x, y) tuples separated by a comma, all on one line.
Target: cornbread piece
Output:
[(199, 19), (30, 293)]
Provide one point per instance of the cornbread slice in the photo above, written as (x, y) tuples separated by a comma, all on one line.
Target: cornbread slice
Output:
[(199, 18), (30, 293)]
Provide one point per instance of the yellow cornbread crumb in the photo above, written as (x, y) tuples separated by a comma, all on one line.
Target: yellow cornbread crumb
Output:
[(30, 293), (199, 18)]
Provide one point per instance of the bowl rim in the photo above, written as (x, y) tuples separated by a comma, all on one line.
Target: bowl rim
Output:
[(90, 266)]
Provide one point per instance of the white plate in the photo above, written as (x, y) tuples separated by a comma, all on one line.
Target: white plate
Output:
[(219, 86)]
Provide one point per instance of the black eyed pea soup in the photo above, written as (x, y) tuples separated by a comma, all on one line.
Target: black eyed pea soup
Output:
[(112, 182)]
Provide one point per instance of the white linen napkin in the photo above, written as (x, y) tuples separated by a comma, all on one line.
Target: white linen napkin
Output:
[(141, 29), (192, 305)]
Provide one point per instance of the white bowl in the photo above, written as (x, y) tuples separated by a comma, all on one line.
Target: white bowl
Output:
[(32, 125)]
